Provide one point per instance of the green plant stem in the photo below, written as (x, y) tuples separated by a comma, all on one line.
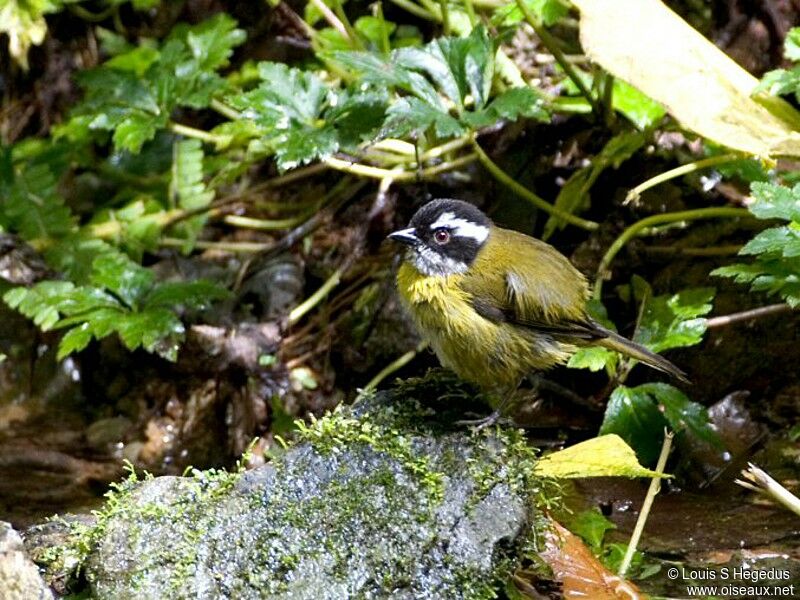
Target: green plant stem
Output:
[(331, 18), (445, 148), (378, 173), (655, 487), (386, 46), (445, 17), (528, 195), (223, 246), (691, 167), (225, 110), (309, 303), (415, 9), (264, 224), (393, 366), (199, 134), (552, 45), (88, 15), (352, 34), (673, 217), (469, 8)]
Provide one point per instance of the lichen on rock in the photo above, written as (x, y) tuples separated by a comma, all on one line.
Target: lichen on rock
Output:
[(383, 499)]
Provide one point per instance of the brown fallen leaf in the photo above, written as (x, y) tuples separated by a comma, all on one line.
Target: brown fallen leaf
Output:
[(580, 573)]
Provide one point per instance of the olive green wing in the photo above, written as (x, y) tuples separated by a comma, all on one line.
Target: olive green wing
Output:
[(527, 282)]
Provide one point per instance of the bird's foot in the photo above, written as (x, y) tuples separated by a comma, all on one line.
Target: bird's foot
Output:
[(483, 423)]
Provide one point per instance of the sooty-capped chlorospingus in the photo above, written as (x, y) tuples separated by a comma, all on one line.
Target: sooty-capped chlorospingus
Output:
[(496, 304)]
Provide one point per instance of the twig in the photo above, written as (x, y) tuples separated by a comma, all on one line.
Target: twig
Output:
[(652, 490), (760, 481), (691, 167), (304, 307), (528, 195), (199, 134), (746, 315), (331, 18), (673, 217), (393, 366)]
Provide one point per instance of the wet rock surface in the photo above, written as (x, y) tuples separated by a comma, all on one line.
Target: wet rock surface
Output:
[(384, 500), (19, 577)]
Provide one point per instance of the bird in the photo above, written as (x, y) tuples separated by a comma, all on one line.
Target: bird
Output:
[(495, 304)]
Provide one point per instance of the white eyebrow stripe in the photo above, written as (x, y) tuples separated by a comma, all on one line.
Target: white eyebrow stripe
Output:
[(461, 227)]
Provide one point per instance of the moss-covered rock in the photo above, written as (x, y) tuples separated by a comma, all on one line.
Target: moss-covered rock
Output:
[(387, 499)]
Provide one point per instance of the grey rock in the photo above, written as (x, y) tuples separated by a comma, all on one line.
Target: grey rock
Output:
[(19, 577), (384, 501)]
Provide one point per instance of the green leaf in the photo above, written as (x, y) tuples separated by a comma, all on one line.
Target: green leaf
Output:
[(511, 105), (373, 29), (187, 187), (603, 456), (791, 44), (33, 206), (548, 11), (593, 358), (774, 201), (682, 414), (190, 294), (672, 321), (126, 279), (39, 302), (23, 22), (591, 526), (634, 416), (412, 115), (783, 241), (640, 109)]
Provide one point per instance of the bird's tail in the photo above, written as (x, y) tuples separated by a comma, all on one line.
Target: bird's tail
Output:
[(614, 341)]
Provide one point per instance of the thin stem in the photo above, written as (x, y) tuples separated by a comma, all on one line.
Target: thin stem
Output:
[(608, 98), (445, 17), (652, 490), (378, 173), (386, 46), (199, 134), (443, 149), (528, 195), (307, 305), (691, 167), (331, 18), (352, 34), (635, 229), (552, 45), (223, 246), (470, 10), (758, 480), (393, 366), (747, 315), (225, 110), (264, 224), (415, 9), (693, 251)]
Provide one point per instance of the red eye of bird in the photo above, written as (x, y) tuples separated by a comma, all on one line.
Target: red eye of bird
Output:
[(441, 236)]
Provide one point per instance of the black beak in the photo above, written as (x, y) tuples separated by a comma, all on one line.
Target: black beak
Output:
[(405, 236)]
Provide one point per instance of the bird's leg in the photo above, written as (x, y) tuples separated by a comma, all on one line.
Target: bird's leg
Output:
[(494, 417)]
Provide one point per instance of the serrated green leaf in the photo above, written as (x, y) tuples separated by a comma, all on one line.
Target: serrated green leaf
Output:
[(212, 41), (412, 115), (681, 413), (191, 294), (74, 340), (122, 276), (634, 416), (672, 321), (774, 201), (593, 358), (39, 302), (511, 105), (783, 241), (603, 456), (373, 29), (33, 206)]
